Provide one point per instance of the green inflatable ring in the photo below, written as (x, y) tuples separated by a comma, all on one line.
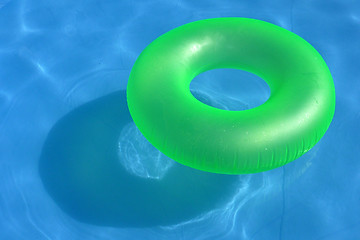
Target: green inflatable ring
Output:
[(294, 118)]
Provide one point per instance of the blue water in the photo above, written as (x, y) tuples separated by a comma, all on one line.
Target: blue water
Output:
[(74, 166)]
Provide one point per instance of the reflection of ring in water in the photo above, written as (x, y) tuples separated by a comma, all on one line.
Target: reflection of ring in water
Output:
[(80, 169)]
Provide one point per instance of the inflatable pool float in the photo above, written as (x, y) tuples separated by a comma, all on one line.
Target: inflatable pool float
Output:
[(294, 118)]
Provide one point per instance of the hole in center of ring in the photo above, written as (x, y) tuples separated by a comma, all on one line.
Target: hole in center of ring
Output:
[(230, 89)]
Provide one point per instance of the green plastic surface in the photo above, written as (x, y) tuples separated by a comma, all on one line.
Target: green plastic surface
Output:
[(287, 125)]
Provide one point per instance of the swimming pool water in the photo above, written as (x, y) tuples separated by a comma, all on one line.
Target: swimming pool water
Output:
[(74, 166)]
